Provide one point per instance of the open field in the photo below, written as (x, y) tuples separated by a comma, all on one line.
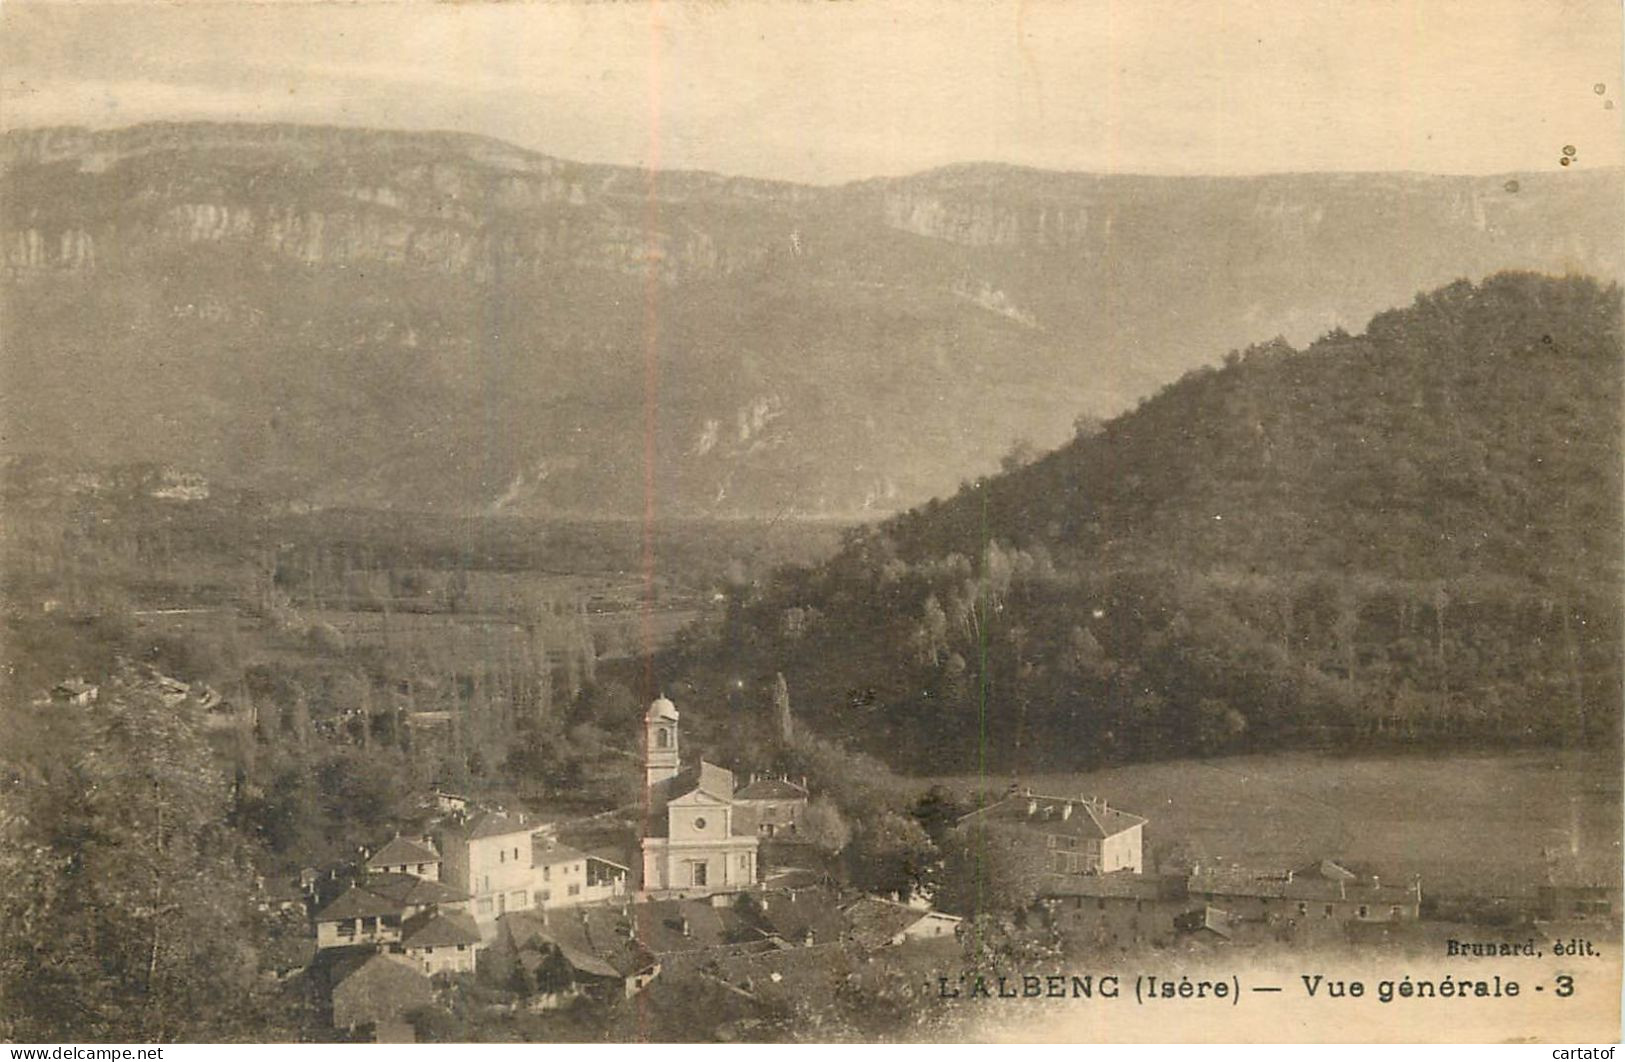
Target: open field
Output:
[(1466, 822)]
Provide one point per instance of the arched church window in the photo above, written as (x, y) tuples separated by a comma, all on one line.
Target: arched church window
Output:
[(662, 739)]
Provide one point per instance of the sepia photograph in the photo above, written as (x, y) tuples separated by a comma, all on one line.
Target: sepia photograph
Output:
[(792, 522)]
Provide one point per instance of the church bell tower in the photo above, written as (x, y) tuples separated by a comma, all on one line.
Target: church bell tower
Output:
[(659, 742)]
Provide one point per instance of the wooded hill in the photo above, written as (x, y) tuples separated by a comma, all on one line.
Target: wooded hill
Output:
[(1411, 535)]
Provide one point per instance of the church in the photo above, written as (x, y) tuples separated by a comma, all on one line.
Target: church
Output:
[(697, 839)]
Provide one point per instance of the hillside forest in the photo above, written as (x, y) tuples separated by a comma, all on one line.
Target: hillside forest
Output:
[(1405, 537)]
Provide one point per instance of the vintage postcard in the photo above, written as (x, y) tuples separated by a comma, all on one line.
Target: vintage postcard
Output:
[(769, 521)]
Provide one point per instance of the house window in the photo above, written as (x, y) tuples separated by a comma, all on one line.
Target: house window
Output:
[(369, 924), (1100, 905), (575, 890), (1393, 912), (1328, 910), (1303, 908), (699, 823), (485, 906), (547, 873), (744, 862), (462, 947), (699, 873), (1053, 841), (346, 929), (1364, 910), (502, 857), (516, 853), (544, 895), (518, 898)]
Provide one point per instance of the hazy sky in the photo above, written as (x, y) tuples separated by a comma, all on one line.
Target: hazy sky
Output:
[(829, 91)]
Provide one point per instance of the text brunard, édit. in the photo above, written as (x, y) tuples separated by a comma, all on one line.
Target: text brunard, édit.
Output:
[(1155, 989)]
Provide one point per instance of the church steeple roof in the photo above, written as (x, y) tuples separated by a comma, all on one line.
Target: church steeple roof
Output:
[(661, 708)]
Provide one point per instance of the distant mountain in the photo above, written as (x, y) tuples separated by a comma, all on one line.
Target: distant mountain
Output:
[(448, 322), (1412, 535)]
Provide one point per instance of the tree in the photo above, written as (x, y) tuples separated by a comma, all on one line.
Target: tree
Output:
[(890, 855), (986, 872), (781, 709), (937, 812), (823, 826), (127, 897), (1218, 726), (1022, 452)]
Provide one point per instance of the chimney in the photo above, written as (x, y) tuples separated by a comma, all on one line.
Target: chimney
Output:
[(688, 930), (1342, 890), (1376, 882), (1032, 808), (1066, 811)]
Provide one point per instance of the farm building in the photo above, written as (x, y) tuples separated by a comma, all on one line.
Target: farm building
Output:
[(1322, 890), (1075, 836)]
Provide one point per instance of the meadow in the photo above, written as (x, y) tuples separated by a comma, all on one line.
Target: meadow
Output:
[(1469, 823)]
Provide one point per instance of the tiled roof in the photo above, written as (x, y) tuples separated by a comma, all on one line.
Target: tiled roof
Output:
[(1255, 885), (771, 789), (550, 854), (379, 989), (357, 903), (521, 927), (613, 856), (715, 781), (793, 914), (1326, 869), (793, 878), (495, 824), (598, 940), (442, 929), (1058, 815), (661, 925), (873, 922), (793, 976), (409, 891), (400, 850), (1120, 884)]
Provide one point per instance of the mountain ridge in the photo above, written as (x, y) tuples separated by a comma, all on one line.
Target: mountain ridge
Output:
[(450, 322)]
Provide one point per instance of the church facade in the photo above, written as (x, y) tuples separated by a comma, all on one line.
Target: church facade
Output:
[(697, 839)]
